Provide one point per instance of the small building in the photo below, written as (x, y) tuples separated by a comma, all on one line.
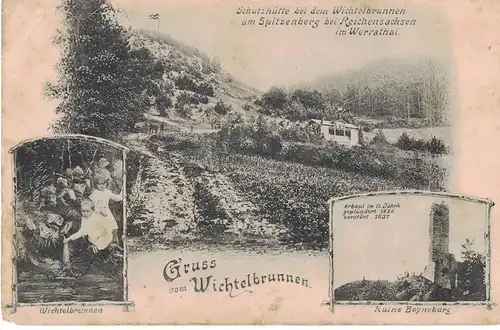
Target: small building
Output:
[(338, 131)]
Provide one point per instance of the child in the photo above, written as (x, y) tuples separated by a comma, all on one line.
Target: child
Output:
[(101, 196), (94, 226), (101, 169), (63, 185)]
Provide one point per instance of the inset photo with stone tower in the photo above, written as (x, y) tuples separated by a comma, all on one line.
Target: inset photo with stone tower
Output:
[(410, 247)]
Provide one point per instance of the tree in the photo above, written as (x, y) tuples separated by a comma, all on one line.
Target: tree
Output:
[(436, 146), (435, 93), (272, 145), (309, 99), (379, 138), (275, 98), (471, 273), (103, 84), (163, 102), (361, 138), (221, 108)]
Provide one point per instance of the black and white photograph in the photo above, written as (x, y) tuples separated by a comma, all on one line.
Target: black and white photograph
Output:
[(69, 220), (411, 247), (187, 159)]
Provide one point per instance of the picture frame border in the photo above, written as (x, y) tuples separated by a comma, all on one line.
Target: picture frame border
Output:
[(487, 235), (126, 304)]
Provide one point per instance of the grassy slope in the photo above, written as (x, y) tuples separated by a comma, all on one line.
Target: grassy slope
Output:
[(289, 195)]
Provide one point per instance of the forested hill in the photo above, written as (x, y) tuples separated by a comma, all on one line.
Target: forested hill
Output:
[(192, 82), (397, 91), (391, 87)]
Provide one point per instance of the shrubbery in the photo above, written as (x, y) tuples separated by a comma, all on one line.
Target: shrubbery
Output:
[(184, 82), (471, 274), (211, 218), (221, 108), (434, 145), (292, 187), (379, 138), (298, 134), (190, 99), (416, 172)]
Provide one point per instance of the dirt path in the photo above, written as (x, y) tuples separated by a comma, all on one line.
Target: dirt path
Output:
[(165, 194), (197, 129)]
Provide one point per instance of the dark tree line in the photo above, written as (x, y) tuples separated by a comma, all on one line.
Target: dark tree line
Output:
[(425, 96)]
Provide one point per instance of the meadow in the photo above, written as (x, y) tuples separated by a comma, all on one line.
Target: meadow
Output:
[(288, 195)]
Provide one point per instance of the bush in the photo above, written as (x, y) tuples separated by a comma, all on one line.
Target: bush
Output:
[(471, 274), (367, 127), (163, 102), (211, 218), (185, 111), (205, 89), (183, 82), (299, 134), (379, 138), (405, 142), (272, 145), (221, 108), (435, 146), (237, 137), (361, 138)]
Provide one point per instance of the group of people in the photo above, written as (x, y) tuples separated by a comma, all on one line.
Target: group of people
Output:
[(155, 128), (82, 197), (98, 224)]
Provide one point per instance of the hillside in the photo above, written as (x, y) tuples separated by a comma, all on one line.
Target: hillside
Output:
[(399, 88), (397, 71), (192, 81), (415, 288)]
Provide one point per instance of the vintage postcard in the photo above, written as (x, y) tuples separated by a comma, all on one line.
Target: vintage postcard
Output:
[(250, 162)]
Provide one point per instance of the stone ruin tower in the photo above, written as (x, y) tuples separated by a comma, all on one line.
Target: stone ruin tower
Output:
[(438, 269)]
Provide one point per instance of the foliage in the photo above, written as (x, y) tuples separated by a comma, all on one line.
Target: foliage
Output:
[(275, 98), (163, 102), (272, 145), (221, 108), (405, 95), (184, 82), (379, 138), (103, 84), (294, 195), (298, 133), (190, 99), (54, 176), (361, 138), (136, 210), (184, 111), (410, 288), (435, 146), (471, 272), (236, 136), (211, 218), (291, 189)]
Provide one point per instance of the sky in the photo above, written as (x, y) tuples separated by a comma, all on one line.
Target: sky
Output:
[(281, 55), (384, 249)]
